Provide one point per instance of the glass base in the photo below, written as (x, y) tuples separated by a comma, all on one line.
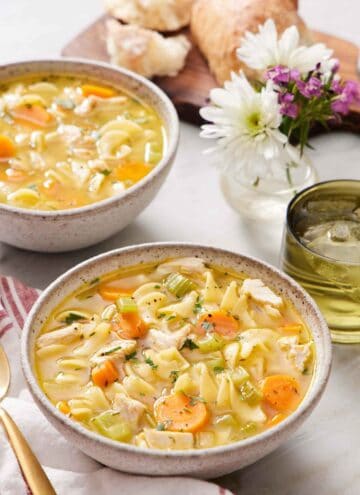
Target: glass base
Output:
[(266, 201)]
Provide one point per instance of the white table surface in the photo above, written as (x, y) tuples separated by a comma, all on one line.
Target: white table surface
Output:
[(323, 458)]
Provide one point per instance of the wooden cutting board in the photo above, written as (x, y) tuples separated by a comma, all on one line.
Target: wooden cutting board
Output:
[(189, 90)]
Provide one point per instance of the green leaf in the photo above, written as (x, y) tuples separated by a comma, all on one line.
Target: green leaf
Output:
[(150, 362), (71, 317), (110, 351), (189, 344), (130, 356)]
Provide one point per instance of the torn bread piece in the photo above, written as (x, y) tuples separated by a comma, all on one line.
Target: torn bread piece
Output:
[(146, 52), (160, 15)]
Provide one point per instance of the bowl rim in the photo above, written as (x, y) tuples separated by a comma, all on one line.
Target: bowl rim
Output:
[(312, 396), (172, 137)]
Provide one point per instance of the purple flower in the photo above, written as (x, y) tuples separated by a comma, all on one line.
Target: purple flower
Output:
[(282, 75), (295, 75), (352, 91), (336, 86), (335, 67), (287, 106), (313, 87), (290, 110), (347, 94)]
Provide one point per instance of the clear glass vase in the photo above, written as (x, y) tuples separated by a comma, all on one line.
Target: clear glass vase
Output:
[(263, 190)]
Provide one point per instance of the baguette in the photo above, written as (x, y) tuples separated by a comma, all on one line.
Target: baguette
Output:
[(218, 26)]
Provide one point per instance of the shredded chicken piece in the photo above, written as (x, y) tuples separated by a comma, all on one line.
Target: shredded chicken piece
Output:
[(130, 409), (257, 290), (93, 103), (298, 354), (159, 340)]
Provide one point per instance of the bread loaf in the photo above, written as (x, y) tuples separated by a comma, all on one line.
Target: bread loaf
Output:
[(161, 15), (219, 25)]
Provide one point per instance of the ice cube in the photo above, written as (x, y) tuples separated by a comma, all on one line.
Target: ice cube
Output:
[(340, 232)]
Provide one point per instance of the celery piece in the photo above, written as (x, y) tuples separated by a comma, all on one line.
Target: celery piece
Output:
[(249, 429), (178, 285), (239, 376), (213, 342), (126, 305), (249, 393), (111, 425), (216, 364), (226, 420)]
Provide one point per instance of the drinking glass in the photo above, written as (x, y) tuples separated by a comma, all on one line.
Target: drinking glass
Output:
[(321, 250)]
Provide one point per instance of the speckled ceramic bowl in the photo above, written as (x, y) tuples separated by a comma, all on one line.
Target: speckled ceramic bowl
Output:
[(205, 463), (65, 230)]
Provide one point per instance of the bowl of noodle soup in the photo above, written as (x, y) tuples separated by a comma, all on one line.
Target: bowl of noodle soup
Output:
[(84, 148), (176, 359)]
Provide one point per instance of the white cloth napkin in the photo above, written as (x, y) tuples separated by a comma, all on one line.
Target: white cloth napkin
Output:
[(70, 471)]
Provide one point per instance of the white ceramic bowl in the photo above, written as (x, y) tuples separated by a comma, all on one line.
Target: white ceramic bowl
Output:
[(205, 463), (65, 230)]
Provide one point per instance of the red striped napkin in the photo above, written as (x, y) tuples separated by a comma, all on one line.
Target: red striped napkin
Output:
[(70, 471)]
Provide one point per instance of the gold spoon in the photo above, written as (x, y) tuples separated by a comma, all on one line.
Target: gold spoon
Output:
[(34, 474)]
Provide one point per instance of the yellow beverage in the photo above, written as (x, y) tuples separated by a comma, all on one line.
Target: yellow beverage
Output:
[(321, 250)]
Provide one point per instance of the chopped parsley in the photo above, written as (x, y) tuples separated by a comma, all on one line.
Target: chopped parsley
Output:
[(189, 344), (105, 172), (174, 375), (171, 317), (157, 286), (110, 351), (130, 356), (94, 281), (206, 325), (71, 317), (150, 362), (197, 307), (218, 369), (195, 400), (92, 334), (160, 427)]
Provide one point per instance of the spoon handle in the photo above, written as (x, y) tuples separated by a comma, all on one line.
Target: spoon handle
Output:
[(34, 474)]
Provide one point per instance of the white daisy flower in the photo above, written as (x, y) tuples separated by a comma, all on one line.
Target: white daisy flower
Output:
[(266, 49), (245, 123)]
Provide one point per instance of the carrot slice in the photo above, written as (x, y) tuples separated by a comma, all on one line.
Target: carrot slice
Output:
[(32, 113), (275, 420), (112, 293), (179, 412), (100, 91), (218, 322), (282, 392), (105, 374), (134, 171), (129, 326), (7, 147), (63, 407)]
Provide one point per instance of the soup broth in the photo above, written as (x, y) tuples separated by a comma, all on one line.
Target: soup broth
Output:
[(179, 355), (66, 142)]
